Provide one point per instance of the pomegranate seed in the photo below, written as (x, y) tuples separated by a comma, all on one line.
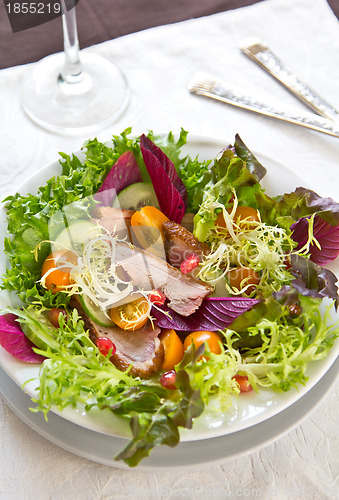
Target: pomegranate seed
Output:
[(242, 381), (190, 263), (167, 380), (158, 298), (105, 345)]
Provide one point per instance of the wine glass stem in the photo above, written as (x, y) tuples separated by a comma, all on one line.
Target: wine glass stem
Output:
[(72, 70)]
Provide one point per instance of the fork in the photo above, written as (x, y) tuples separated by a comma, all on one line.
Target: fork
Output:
[(205, 85), (259, 52)]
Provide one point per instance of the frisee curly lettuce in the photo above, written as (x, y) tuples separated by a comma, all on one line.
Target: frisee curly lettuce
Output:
[(288, 345), (75, 372), (262, 247), (28, 215)]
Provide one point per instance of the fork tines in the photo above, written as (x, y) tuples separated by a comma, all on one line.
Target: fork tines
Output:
[(201, 84), (253, 46)]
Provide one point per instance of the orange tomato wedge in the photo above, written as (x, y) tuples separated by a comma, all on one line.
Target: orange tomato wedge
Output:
[(173, 347), (240, 277)]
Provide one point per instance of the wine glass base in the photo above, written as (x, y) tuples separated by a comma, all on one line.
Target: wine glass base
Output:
[(91, 102)]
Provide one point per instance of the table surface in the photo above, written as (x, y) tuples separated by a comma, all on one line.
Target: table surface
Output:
[(158, 63), (121, 18)]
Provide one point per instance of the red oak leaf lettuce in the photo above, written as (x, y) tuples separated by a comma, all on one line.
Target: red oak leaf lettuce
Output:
[(326, 235), (214, 314), (169, 188), (123, 173), (313, 280), (14, 341)]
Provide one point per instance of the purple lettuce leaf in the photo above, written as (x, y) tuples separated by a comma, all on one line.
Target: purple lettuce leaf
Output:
[(14, 341), (304, 202), (214, 314), (123, 173), (313, 280), (326, 234), (169, 188)]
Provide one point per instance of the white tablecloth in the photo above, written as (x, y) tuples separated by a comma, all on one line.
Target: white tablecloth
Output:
[(158, 64)]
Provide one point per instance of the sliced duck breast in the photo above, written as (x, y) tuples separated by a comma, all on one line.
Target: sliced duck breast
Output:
[(181, 243), (148, 272), (115, 220), (141, 349)]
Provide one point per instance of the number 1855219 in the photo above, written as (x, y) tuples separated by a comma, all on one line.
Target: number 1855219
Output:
[(33, 8)]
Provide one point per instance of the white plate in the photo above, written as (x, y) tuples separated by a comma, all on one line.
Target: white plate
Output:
[(101, 448), (249, 409)]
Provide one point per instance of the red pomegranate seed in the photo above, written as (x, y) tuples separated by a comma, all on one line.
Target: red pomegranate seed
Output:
[(190, 263), (242, 381), (156, 297), (105, 345), (167, 380)]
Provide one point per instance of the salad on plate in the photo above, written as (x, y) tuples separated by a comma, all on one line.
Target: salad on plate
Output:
[(155, 285)]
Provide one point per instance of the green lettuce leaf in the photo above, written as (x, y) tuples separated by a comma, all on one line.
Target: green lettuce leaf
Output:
[(28, 216), (158, 423), (252, 164), (288, 345), (76, 372)]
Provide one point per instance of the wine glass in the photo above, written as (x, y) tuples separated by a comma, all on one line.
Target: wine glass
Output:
[(72, 94)]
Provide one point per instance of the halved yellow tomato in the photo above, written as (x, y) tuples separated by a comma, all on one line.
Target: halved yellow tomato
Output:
[(55, 270), (173, 347), (133, 315), (245, 218), (240, 277), (146, 225)]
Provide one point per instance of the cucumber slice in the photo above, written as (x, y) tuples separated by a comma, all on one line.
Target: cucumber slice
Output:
[(94, 313), (135, 196), (77, 234), (41, 333)]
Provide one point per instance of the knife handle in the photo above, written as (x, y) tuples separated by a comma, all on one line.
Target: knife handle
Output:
[(258, 51)]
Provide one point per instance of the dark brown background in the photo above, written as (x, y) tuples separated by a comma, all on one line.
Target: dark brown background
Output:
[(100, 20)]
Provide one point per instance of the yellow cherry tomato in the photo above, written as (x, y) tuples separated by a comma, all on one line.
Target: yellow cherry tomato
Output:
[(173, 347), (133, 315), (245, 218), (240, 277), (146, 224), (200, 337), (55, 271)]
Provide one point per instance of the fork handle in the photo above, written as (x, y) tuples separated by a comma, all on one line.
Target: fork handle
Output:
[(258, 51), (207, 86)]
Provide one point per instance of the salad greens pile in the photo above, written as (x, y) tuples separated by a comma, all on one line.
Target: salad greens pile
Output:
[(271, 343)]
